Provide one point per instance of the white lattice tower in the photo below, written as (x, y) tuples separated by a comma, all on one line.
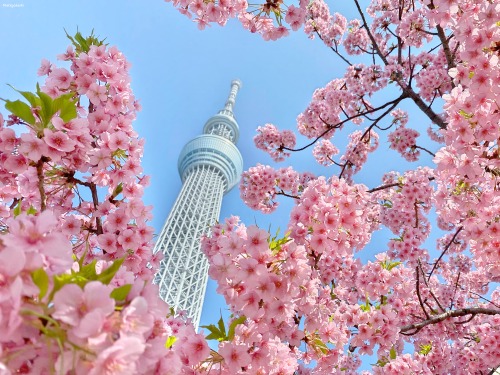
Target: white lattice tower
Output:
[(209, 166)]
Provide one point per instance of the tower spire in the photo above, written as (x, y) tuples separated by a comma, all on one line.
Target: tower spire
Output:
[(235, 86)]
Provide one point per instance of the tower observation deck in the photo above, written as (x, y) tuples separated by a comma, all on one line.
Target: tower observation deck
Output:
[(209, 165)]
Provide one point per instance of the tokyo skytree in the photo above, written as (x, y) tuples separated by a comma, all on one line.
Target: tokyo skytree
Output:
[(209, 166)]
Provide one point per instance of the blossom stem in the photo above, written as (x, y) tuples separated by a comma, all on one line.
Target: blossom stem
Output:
[(41, 188), (416, 327), (444, 251)]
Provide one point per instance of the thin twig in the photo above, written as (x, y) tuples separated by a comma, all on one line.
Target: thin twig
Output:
[(444, 251), (418, 293), (41, 187), (394, 102)]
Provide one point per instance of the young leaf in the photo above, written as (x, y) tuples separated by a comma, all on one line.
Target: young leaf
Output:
[(392, 353), (170, 341), (215, 333), (21, 110), (222, 327), (31, 211), (47, 107), (107, 275), (232, 326), (88, 271), (41, 280), (66, 107), (17, 209), (120, 293), (30, 97), (425, 349)]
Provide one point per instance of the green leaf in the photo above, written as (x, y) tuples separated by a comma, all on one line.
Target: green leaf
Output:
[(120, 293), (17, 209), (41, 280), (215, 333), (170, 341), (21, 110), (31, 211), (66, 106), (88, 271), (389, 265), (232, 326), (425, 349), (393, 354), (382, 362), (30, 97), (222, 327), (46, 105), (320, 345), (465, 114), (59, 282), (366, 307), (275, 243), (107, 275)]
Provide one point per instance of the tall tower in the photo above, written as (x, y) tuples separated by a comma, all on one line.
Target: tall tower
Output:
[(209, 166)]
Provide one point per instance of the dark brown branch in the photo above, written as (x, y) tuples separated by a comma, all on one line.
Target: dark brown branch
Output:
[(95, 200), (485, 299), (446, 47), (455, 290), (429, 288), (41, 187), (424, 149), (400, 184), (444, 251), (385, 187), (335, 50), (433, 116), (394, 102), (417, 271), (447, 315), (281, 192)]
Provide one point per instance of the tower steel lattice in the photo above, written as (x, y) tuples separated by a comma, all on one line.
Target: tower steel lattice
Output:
[(209, 165)]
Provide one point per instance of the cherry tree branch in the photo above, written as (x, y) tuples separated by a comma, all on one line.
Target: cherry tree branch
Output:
[(416, 327), (335, 50), (336, 126), (384, 187), (433, 116), (417, 276), (281, 192), (424, 149), (41, 187), (444, 251)]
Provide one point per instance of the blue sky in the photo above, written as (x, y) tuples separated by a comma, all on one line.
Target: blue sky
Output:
[(182, 77)]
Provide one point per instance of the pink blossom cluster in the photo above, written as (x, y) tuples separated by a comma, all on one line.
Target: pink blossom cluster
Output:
[(205, 13), (261, 184), (468, 164), (333, 218), (274, 142), (331, 28), (356, 154), (403, 140), (273, 284), (403, 211), (76, 259), (265, 19), (261, 281), (323, 152)]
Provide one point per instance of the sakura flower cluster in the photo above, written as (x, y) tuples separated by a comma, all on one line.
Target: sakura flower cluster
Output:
[(76, 258), (403, 139), (274, 142)]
